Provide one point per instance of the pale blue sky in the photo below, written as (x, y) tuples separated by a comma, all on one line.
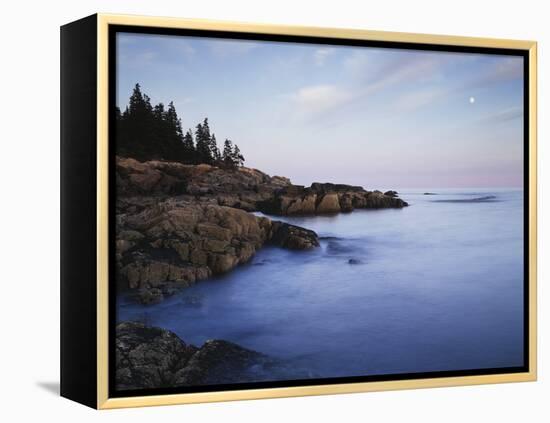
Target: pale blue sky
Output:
[(381, 118)]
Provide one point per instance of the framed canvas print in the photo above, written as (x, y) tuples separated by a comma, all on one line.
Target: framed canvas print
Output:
[(253, 211)]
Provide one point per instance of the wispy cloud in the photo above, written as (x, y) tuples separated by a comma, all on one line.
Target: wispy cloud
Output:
[(499, 70), (416, 99), (370, 72), (373, 71), (502, 116), (383, 68), (314, 100)]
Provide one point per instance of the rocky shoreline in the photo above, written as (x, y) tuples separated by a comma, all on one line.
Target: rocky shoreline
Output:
[(150, 357), (177, 224), (244, 188)]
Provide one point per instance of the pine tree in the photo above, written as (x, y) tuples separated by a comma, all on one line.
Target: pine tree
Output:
[(227, 155), (160, 133), (189, 147), (136, 102), (173, 136), (147, 105), (138, 128), (214, 150), (173, 121), (158, 112), (237, 157), (206, 129), (202, 138), (145, 132)]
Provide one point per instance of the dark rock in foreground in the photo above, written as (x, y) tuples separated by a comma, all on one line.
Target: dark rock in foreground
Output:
[(150, 357), (218, 362)]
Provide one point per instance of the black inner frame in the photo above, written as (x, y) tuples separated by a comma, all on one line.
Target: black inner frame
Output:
[(114, 29)]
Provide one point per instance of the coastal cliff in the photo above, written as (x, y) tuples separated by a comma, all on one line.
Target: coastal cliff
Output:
[(177, 224), (244, 188)]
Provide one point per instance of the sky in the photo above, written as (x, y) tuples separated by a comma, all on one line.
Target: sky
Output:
[(376, 117)]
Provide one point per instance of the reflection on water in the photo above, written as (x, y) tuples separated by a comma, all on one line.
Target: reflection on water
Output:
[(435, 286)]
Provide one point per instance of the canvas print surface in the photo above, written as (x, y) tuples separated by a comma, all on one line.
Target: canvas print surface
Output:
[(298, 212)]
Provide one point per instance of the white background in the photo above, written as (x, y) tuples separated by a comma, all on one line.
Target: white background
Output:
[(29, 166)]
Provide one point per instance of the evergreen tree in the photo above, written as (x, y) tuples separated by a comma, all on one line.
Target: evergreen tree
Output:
[(174, 122), (173, 138), (158, 112), (237, 157), (189, 147), (160, 133), (145, 132), (147, 105), (206, 129), (138, 129), (227, 155), (136, 103), (214, 150), (202, 139)]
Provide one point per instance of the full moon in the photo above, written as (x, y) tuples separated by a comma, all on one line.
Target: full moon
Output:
[(472, 100)]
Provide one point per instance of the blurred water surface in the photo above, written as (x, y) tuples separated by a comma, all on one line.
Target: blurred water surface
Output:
[(434, 286)]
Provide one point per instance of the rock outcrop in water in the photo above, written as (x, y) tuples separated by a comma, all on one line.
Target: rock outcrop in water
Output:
[(164, 245), (149, 357), (177, 224), (292, 237), (327, 199)]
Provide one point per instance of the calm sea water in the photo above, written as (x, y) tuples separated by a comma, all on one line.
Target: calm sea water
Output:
[(435, 286)]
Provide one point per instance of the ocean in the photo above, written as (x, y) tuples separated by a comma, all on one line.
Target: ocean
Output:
[(431, 287)]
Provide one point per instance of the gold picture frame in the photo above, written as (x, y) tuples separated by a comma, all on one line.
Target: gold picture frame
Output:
[(102, 397)]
